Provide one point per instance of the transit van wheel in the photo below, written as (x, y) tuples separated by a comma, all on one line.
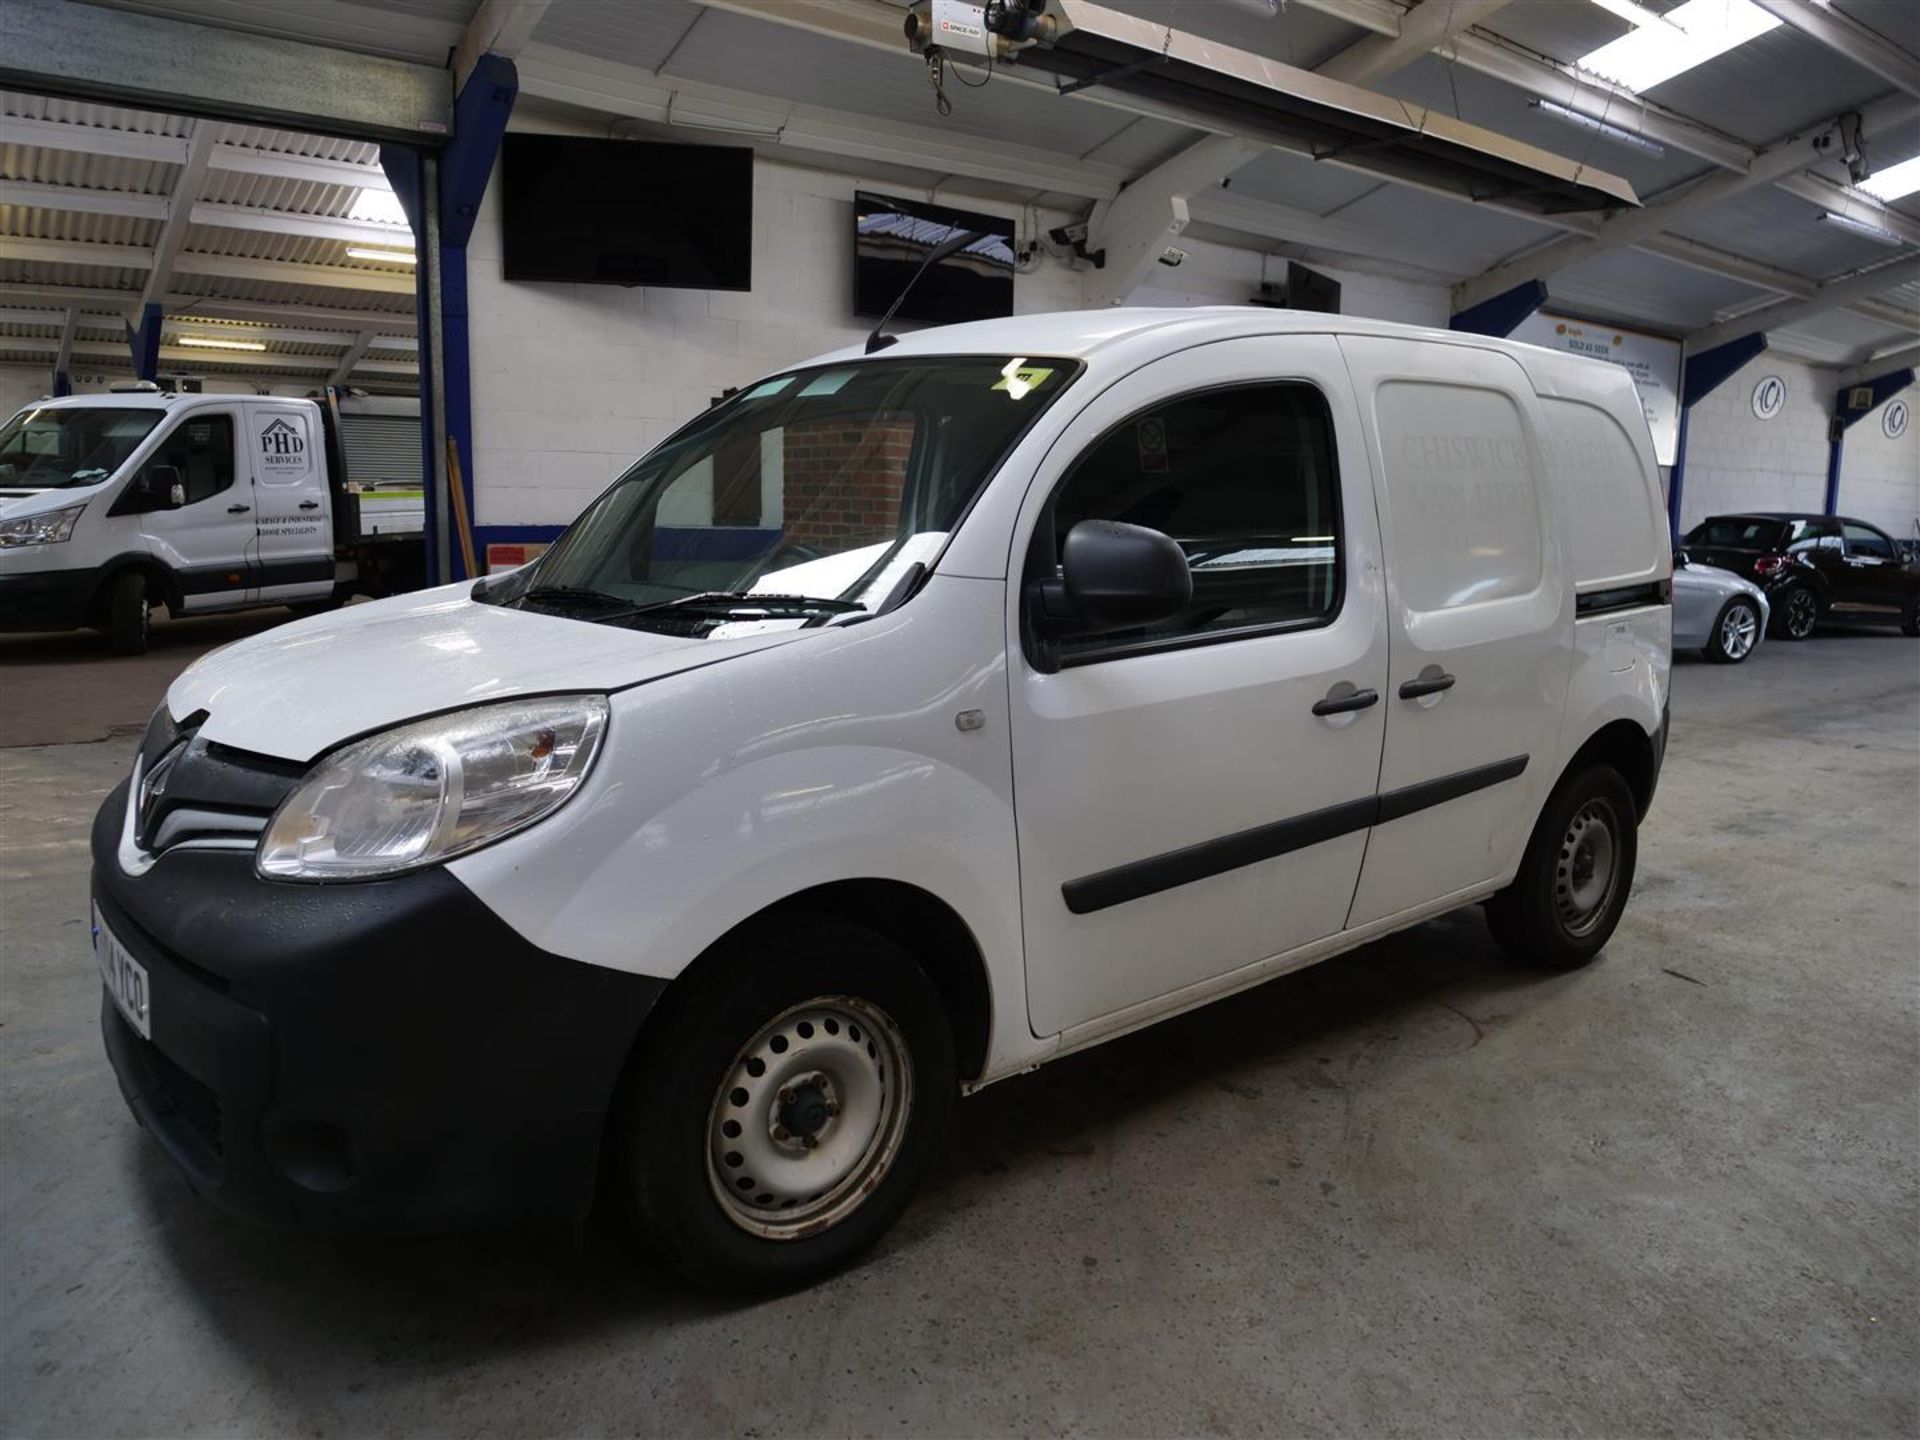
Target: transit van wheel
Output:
[(1573, 882), (782, 1112), (1735, 632), (129, 614)]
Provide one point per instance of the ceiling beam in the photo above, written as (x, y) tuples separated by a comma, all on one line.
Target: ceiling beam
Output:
[(500, 27), (172, 238), (352, 357), (1875, 366), (393, 323), (76, 201), (1623, 228), (313, 227), (93, 140), (1866, 47), (313, 169), (1134, 230), (1788, 313), (295, 272), (1372, 58)]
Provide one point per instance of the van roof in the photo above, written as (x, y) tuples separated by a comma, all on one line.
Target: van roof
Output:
[(1078, 334)]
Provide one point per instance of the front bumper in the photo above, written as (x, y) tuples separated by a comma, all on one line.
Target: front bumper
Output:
[(382, 1056), (46, 599)]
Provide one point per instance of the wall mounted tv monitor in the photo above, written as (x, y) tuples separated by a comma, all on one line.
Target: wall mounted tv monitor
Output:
[(1310, 290), (624, 212), (892, 236)]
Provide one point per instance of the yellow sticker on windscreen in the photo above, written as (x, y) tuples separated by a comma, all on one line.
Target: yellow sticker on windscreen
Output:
[(1018, 379)]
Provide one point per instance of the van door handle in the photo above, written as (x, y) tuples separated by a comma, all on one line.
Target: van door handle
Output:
[(1426, 685), (309, 504), (238, 509), (1341, 704)]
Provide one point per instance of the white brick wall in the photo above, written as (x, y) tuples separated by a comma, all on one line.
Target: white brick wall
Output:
[(572, 383), (1221, 275), (1880, 478), (1737, 462)]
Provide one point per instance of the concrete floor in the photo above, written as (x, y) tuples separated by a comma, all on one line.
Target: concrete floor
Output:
[(1413, 1190)]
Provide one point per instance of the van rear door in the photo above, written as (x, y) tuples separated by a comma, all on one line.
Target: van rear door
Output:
[(1480, 612), (293, 554)]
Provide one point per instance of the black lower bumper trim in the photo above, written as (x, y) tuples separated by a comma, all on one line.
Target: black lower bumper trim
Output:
[(47, 599), (387, 1056)]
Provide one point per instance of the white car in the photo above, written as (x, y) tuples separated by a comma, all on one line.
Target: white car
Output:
[(906, 722), (1716, 612)]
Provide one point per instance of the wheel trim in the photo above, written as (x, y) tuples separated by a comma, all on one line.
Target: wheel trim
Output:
[(1587, 872), (1738, 630), (1802, 611), (810, 1115)]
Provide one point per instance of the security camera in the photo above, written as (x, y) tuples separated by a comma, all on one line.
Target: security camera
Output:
[(1853, 148), (1172, 256)]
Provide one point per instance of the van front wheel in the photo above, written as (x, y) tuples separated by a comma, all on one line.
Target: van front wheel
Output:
[(129, 614), (1572, 887), (781, 1114)]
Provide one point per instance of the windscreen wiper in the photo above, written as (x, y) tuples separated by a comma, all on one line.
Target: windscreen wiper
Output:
[(729, 601), (575, 595)]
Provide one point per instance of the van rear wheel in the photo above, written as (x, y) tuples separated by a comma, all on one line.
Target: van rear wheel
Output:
[(1573, 883), (781, 1114), (129, 614)]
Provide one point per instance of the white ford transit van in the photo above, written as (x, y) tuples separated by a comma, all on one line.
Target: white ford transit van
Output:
[(905, 722), (112, 504)]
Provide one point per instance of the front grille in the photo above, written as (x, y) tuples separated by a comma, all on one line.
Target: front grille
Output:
[(186, 1111), (190, 790)]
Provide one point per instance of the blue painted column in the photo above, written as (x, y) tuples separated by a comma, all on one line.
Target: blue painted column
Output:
[(1503, 313), (1871, 395), (144, 341), (1700, 376), (480, 114), (62, 383)]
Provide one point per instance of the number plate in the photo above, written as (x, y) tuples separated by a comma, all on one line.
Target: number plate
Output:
[(124, 977)]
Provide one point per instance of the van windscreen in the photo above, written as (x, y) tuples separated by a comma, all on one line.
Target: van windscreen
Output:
[(52, 447), (813, 492)]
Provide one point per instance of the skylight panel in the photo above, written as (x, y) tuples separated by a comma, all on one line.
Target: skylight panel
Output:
[(1894, 182), (1690, 35), (378, 205)]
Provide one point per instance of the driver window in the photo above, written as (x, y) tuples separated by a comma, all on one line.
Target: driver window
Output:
[(1864, 540), (201, 449), (1244, 480)]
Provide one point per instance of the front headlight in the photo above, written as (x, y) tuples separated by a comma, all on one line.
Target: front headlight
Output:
[(49, 527), (426, 792)]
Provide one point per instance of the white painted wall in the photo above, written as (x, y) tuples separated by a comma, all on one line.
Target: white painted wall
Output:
[(572, 383), (1223, 275), (1737, 462), (21, 385), (1880, 478)]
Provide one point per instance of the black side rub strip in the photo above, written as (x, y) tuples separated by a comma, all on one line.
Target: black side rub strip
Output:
[(1627, 597), (1140, 878)]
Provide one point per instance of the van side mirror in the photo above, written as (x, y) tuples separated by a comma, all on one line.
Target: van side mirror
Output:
[(1113, 577), (163, 488)]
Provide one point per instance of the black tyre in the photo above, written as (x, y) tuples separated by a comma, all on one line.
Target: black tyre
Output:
[(129, 614), (781, 1114), (1736, 630), (1573, 883), (1796, 612)]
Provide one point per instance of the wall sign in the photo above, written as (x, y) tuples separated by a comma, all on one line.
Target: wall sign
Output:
[(1893, 420), (1769, 397), (1652, 360)]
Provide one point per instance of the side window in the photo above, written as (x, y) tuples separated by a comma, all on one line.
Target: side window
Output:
[(1811, 535), (1865, 540), (1244, 480), (201, 449)]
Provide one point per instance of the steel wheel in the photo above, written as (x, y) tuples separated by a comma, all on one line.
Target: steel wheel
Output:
[(1802, 613), (1739, 628), (1585, 877), (809, 1117)]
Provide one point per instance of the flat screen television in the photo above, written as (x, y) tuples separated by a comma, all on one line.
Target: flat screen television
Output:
[(1303, 289), (892, 236), (625, 212)]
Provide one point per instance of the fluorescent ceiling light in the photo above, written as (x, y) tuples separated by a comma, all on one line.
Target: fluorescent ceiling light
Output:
[(208, 342), (1894, 182), (392, 257), (1685, 37), (379, 206), (1864, 228), (1617, 133)]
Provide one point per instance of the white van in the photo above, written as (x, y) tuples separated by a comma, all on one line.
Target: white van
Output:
[(111, 504), (903, 723)]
